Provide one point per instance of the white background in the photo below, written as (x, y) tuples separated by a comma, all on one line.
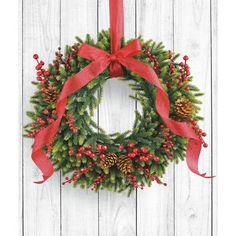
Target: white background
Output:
[(9, 138)]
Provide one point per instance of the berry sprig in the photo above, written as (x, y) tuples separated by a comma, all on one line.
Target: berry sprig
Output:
[(42, 74), (70, 120), (198, 132), (98, 180), (146, 171), (133, 181), (152, 58), (78, 173), (141, 153), (101, 151), (86, 150), (167, 144)]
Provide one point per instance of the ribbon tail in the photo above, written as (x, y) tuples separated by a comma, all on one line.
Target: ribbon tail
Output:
[(163, 109), (192, 157)]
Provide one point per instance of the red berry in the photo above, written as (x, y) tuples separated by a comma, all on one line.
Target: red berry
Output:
[(89, 146), (187, 72), (102, 156), (81, 149), (99, 147), (204, 134), (88, 153), (36, 56), (79, 155), (143, 149), (135, 150), (92, 155), (39, 78), (130, 145), (33, 124), (131, 155), (156, 158), (71, 152), (205, 145), (149, 156), (46, 73), (38, 67), (104, 147), (142, 158), (45, 111), (187, 88), (185, 58), (41, 63), (121, 147), (39, 73)]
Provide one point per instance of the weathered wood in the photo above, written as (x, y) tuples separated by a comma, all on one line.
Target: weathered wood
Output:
[(79, 208), (193, 193), (214, 149), (41, 202), (117, 213), (187, 206), (156, 204)]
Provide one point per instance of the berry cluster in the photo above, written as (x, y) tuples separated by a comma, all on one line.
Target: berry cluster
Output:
[(167, 144), (146, 171), (152, 58), (184, 73), (199, 132), (133, 181), (98, 180), (67, 59), (70, 120), (141, 153), (101, 149), (42, 74), (78, 173)]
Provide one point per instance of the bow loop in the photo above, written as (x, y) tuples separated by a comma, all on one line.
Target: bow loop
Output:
[(91, 53)]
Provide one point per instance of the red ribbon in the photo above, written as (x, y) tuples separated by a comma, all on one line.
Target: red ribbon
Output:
[(100, 61)]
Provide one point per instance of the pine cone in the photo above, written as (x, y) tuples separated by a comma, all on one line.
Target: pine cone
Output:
[(108, 161), (51, 94), (183, 108), (124, 164)]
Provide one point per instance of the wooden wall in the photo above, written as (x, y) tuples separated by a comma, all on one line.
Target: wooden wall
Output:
[(187, 207)]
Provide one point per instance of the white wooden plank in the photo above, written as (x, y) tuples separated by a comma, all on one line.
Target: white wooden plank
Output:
[(117, 212), (41, 202), (20, 173), (155, 205), (214, 182), (79, 207), (193, 193)]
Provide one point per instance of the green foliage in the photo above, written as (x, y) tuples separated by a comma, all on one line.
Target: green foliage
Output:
[(83, 104)]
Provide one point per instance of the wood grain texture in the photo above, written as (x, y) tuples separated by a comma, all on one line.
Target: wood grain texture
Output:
[(117, 213), (187, 206), (214, 149), (41, 202), (193, 194), (79, 208), (156, 204)]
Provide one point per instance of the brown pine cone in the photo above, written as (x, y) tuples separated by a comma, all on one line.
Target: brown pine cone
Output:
[(51, 94), (108, 161), (124, 164), (183, 108)]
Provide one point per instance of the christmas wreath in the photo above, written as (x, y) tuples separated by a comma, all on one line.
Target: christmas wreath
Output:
[(121, 160)]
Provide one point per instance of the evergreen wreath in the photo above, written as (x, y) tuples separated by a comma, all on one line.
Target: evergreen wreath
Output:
[(116, 161)]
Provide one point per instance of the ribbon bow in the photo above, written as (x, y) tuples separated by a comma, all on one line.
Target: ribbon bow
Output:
[(100, 61)]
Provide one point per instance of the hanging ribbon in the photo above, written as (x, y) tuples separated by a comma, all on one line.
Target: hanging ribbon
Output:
[(100, 61)]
